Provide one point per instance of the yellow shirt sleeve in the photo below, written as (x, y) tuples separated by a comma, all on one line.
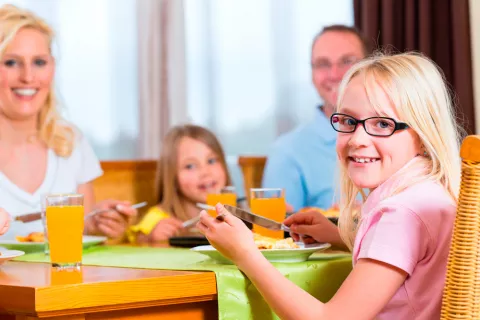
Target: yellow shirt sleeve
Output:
[(148, 222)]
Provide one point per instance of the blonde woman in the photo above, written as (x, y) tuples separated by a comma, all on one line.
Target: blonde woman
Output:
[(40, 153), (396, 137), (192, 163)]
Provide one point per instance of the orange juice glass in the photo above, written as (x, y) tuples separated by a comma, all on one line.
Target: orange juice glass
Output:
[(226, 195), (64, 224), (269, 203), (65, 276)]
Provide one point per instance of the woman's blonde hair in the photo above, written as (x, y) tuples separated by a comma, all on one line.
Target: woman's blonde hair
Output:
[(169, 195), (52, 129), (417, 89)]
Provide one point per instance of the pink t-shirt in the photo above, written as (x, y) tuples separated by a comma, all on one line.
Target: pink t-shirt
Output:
[(411, 231)]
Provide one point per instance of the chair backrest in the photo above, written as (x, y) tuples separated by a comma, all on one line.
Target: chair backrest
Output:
[(252, 169), (461, 295), (132, 181)]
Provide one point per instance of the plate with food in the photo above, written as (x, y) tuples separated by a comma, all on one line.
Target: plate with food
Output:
[(275, 250), (35, 242), (6, 255)]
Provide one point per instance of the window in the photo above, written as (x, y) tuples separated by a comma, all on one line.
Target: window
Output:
[(248, 73), (248, 66)]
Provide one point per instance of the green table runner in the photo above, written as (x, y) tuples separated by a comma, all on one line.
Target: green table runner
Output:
[(321, 276)]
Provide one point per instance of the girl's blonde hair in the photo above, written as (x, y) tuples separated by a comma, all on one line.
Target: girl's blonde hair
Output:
[(169, 195), (417, 89), (52, 129)]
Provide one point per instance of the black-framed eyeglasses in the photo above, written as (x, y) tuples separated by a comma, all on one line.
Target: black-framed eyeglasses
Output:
[(374, 126)]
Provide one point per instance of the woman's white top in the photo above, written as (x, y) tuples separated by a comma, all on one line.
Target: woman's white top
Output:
[(63, 175)]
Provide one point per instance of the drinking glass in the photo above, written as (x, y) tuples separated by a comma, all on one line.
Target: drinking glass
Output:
[(226, 195), (269, 203), (64, 221)]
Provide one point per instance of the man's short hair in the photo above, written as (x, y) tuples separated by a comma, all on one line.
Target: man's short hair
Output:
[(366, 45)]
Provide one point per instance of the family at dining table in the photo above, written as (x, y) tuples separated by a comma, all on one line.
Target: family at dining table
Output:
[(387, 127)]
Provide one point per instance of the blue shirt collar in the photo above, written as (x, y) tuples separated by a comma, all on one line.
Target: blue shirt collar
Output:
[(323, 126)]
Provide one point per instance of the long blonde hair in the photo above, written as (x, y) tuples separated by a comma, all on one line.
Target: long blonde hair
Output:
[(417, 89), (169, 196), (52, 129)]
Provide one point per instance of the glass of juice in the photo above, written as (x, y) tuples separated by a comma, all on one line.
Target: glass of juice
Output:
[(226, 195), (269, 203), (64, 216), (65, 276)]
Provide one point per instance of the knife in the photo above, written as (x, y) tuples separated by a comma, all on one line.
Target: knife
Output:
[(250, 217), (29, 217)]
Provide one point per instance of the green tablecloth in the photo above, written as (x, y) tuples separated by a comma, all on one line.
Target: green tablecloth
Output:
[(321, 276)]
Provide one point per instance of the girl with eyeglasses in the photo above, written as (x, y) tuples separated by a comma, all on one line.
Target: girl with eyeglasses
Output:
[(397, 138)]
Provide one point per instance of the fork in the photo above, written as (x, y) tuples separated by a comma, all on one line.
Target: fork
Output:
[(94, 212), (191, 222)]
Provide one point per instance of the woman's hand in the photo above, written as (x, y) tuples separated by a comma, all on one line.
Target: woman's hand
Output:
[(314, 225), (230, 237), (165, 229), (4, 221), (113, 221)]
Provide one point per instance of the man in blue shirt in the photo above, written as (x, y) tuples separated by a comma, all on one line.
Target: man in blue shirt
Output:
[(303, 161)]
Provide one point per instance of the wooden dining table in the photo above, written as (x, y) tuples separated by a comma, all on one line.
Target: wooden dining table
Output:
[(30, 290)]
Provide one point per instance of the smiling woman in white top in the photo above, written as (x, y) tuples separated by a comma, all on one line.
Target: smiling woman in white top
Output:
[(40, 153)]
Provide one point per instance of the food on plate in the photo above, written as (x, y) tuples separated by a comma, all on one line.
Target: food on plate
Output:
[(331, 212), (264, 242), (32, 237)]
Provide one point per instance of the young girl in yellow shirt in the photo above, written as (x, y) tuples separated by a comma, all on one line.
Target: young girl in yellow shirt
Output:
[(192, 164)]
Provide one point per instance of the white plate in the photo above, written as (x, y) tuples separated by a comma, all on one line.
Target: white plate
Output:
[(6, 255), (272, 255), (29, 247)]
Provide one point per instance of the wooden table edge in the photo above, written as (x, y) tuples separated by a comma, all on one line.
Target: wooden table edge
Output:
[(106, 308), (186, 287)]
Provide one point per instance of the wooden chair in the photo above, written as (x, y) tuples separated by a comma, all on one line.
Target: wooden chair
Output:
[(252, 170), (132, 181), (461, 296)]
